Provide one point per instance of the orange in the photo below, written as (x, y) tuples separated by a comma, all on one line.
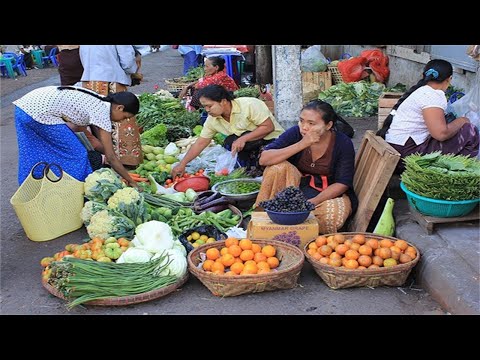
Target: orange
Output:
[(261, 256), (249, 262), (373, 243), (263, 265), (227, 260), (245, 244), (250, 269), (224, 251), (235, 250), (324, 260), (333, 244), (247, 255), (384, 252), (335, 262), (352, 255), (213, 254), (377, 260), (402, 244), (404, 258), (320, 241), (374, 266), (238, 260), (385, 243), (335, 255), (395, 252), (309, 251), (269, 251), (312, 245), (218, 267), (364, 260), (231, 241), (256, 248), (359, 239), (365, 250), (263, 271), (339, 238), (348, 243), (317, 256), (273, 262), (341, 249), (237, 268), (325, 250), (218, 272), (351, 264), (207, 265), (355, 246), (230, 273)]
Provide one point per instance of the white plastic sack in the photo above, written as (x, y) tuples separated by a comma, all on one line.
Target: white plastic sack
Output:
[(226, 163), (469, 105), (313, 60)]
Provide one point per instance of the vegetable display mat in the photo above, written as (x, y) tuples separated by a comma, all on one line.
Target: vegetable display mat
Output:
[(125, 300)]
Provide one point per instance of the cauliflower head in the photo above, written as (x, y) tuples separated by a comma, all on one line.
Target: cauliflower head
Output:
[(103, 224), (126, 195), (89, 209), (101, 184)]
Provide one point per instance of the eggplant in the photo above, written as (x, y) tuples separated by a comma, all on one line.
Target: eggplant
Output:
[(216, 208), (220, 201), (205, 200)]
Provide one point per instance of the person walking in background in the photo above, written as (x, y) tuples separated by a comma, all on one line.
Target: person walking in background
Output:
[(70, 66), (43, 135), (192, 56), (108, 69), (417, 122)]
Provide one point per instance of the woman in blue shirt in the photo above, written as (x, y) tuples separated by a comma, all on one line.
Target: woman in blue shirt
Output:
[(318, 159)]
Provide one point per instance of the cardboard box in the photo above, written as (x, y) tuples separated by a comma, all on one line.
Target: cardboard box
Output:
[(261, 227)]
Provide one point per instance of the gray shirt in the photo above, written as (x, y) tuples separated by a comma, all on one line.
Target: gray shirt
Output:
[(111, 63)]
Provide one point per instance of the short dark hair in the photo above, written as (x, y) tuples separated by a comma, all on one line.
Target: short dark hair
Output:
[(217, 61), (326, 111)]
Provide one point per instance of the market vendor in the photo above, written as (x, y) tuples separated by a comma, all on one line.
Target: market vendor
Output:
[(318, 159), (417, 122), (214, 74), (247, 122), (42, 134)]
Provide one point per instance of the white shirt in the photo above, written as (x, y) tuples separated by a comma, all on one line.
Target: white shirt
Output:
[(110, 63), (409, 121), (50, 106)]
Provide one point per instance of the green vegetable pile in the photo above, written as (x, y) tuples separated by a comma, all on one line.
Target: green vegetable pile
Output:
[(356, 99), (443, 177), (249, 91), (239, 187)]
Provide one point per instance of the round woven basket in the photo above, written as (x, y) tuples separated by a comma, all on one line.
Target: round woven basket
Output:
[(175, 84), (291, 262), (339, 277), (125, 300)]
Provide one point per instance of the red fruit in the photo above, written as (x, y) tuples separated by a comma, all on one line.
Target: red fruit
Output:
[(224, 171)]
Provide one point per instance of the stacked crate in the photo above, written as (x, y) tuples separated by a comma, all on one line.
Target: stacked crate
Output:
[(386, 102)]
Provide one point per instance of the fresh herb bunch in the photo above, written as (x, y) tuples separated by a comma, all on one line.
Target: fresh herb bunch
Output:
[(443, 177), (249, 91)]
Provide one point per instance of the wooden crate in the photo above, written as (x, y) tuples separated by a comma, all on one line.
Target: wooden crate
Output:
[(374, 165), (313, 83), (386, 102)]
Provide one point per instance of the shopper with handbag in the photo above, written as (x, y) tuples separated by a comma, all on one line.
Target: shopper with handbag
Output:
[(42, 133)]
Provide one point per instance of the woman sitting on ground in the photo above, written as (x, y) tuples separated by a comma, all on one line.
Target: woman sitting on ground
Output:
[(318, 159), (417, 122), (247, 122), (214, 75)]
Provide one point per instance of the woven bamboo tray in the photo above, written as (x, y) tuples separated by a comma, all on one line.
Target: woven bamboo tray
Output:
[(339, 278), (175, 84), (125, 300), (291, 262)]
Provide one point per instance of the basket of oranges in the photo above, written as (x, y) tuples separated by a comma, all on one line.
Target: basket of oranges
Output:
[(240, 266), (350, 259)]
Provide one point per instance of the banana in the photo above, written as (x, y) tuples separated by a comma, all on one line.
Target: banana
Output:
[(386, 223)]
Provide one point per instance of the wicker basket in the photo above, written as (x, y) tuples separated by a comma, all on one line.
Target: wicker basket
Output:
[(175, 84), (339, 278), (291, 262), (336, 75), (125, 300)]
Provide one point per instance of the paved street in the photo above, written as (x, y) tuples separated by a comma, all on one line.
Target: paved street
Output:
[(22, 292)]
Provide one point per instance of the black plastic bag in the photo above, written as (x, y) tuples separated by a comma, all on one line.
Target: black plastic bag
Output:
[(209, 230), (343, 126)]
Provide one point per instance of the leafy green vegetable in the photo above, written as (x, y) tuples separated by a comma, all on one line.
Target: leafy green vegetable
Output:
[(249, 91), (156, 136), (444, 177)]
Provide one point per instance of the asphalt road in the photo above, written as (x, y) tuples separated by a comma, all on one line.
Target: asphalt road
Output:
[(22, 291)]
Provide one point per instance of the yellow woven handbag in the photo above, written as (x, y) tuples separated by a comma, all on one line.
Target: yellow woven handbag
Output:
[(49, 206)]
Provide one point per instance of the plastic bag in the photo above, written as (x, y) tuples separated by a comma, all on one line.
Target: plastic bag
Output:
[(226, 163), (313, 59), (209, 230), (353, 69), (469, 105)]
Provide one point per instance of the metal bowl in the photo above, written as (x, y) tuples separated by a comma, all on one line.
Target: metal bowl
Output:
[(241, 197)]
